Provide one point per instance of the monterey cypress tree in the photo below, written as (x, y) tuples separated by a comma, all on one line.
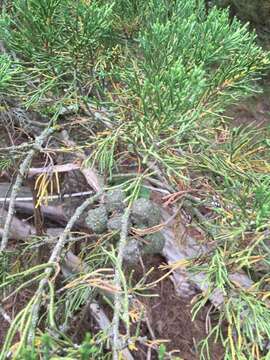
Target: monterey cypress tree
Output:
[(145, 83)]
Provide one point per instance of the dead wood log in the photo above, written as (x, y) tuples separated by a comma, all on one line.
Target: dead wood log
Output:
[(22, 230), (187, 248), (24, 202), (18, 230)]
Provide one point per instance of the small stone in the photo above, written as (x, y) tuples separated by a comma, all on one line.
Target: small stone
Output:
[(114, 201), (97, 219), (154, 243), (145, 212), (115, 223), (131, 254)]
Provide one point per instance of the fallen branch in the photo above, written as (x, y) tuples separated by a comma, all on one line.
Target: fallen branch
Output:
[(22, 230), (187, 248), (24, 202), (19, 230), (50, 197), (54, 213), (6, 187), (51, 169), (104, 324), (23, 169)]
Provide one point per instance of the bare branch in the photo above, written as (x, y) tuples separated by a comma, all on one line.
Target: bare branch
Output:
[(5, 315), (22, 230), (50, 169), (24, 167), (104, 324)]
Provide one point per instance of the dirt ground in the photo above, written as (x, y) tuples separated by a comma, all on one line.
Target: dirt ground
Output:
[(167, 317), (12, 307), (255, 110), (170, 319)]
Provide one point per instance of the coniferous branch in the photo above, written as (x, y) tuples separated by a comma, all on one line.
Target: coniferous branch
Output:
[(117, 344), (35, 302), (164, 72), (55, 258)]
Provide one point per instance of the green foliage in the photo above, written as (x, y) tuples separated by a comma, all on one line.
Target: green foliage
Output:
[(186, 69), (128, 16), (49, 350), (5, 163), (190, 64), (87, 349), (161, 352), (8, 73), (61, 43)]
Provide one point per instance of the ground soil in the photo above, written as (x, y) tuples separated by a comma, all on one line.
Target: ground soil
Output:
[(170, 318), (255, 110), (167, 317), (12, 307)]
